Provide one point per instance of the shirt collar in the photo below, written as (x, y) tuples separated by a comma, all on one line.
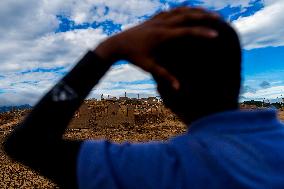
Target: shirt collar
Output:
[(236, 120)]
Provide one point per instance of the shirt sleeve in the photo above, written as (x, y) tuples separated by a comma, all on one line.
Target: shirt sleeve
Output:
[(37, 141), (102, 164)]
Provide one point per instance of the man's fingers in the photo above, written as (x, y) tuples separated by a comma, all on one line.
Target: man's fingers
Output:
[(184, 19), (163, 73), (157, 70), (196, 31), (161, 15), (180, 11), (192, 10), (186, 10)]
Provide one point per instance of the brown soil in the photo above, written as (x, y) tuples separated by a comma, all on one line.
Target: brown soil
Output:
[(14, 175), (281, 115)]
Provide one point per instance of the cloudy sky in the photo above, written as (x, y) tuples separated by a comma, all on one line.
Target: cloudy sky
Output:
[(42, 39)]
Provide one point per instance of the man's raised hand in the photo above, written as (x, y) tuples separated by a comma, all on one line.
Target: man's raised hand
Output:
[(137, 44)]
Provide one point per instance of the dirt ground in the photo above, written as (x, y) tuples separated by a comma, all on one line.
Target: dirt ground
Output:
[(14, 175), (281, 115)]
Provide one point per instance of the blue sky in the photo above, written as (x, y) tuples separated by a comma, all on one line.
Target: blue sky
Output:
[(44, 39)]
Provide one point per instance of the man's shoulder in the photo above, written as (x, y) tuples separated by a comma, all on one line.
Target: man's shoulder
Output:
[(237, 120)]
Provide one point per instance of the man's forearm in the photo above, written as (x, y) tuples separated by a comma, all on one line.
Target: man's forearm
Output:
[(55, 110), (58, 106), (37, 141)]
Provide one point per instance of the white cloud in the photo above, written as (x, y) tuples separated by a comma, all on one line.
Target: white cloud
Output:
[(29, 29), (119, 11), (28, 88), (264, 28), (49, 51), (268, 93), (25, 20), (20, 98), (28, 41), (132, 92), (254, 89), (25, 88), (126, 73), (219, 4), (119, 80)]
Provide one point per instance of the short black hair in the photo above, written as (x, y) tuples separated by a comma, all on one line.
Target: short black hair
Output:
[(205, 64)]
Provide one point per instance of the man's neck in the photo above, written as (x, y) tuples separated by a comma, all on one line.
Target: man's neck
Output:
[(202, 111)]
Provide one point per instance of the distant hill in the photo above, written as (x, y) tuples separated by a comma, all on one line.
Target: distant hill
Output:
[(9, 108)]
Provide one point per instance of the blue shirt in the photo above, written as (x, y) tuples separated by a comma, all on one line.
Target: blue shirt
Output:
[(236, 149)]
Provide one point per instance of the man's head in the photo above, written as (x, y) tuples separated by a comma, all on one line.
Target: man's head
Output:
[(209, 71)]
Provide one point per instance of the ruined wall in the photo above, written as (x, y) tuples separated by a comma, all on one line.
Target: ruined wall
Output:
[(111, 113)]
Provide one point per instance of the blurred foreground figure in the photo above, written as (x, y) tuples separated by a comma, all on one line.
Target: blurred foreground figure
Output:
[(195, 57)]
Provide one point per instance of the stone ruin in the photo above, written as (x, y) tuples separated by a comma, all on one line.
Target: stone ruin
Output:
[(119, 112)]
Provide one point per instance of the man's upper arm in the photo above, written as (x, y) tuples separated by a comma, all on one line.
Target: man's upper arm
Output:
[(102, 164)]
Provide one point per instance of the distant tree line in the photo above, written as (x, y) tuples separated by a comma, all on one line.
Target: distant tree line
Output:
[(260, 104)]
